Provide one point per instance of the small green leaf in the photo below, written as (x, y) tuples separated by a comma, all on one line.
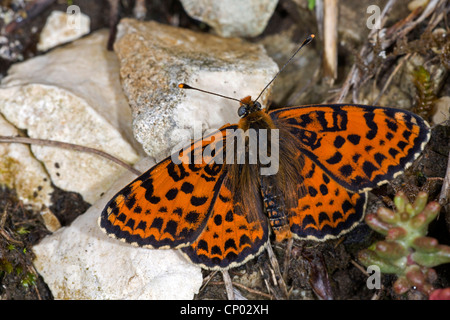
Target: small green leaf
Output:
[(28, 280), (369, 257), (425, 244), (22, 231), (387, 215), (400, 201), (376, 224), (441, 256), (390, 250)]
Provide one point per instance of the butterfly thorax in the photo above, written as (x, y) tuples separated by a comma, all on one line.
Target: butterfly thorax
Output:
[(252, 116), (267, 196)]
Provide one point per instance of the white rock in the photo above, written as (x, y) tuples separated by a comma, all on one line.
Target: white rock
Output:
[(232, 18), (87, 69), (20, 171), (62, 27), (73, 94), (155, 58), (442, 110), (81, 262)]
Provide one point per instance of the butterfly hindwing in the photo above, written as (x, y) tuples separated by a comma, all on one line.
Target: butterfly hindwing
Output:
[(169, 205), (229, 238), (325, 209), (359, 146)]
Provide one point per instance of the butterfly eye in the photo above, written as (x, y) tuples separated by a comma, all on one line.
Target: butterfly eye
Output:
[(242, 111), (257, 105)]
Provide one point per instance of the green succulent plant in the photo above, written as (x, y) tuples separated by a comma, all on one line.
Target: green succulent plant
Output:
[(406, 250)]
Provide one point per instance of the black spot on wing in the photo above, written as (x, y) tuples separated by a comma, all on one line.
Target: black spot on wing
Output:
[(372, 133), (379, 157), (346, 170), (187, 187), (192, 217), (198, 201), (336, 158), (157, 223), (339, 142), (217, 219), (171, 194), (402, 145), (368, 168), (393, 152), (391, 125), (130, 201), (354, 138)]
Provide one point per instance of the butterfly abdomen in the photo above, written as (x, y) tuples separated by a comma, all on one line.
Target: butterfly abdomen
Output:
[(275, 209)]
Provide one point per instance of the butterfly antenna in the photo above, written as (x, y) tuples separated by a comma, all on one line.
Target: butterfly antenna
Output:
[(305, 42), (185, 86)]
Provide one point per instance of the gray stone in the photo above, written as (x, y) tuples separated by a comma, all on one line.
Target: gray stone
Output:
[(232, 18), (73, 94), (155, 58), (62, 27), (20, 171)]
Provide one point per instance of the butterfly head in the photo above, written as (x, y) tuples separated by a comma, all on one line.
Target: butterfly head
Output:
[(248, 106)]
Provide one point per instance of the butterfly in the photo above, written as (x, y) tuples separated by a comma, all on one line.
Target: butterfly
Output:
[(221, 212)]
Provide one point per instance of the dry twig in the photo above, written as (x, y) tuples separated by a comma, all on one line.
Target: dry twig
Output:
[(69, 146), (445, 190), (287, 258), (236, 284), (228, 285), (278, 278), (330, 41), (376, 295)]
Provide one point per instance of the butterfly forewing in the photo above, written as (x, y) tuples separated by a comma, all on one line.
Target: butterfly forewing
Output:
[(358, 146), (169, 205)]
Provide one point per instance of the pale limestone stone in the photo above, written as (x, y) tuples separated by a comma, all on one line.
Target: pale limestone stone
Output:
[(62, 27), (49, 112), (87, 69), (442, 110), (81, 262), (73, 94), (232, 18), (20, 171), (155, 58)]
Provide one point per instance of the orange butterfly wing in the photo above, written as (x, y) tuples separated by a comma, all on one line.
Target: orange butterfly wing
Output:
[(359, 146), (169, 205), (348, 150), (325, 209), (230, 238)]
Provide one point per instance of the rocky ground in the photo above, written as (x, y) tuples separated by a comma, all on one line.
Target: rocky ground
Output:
[(91, 85)]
